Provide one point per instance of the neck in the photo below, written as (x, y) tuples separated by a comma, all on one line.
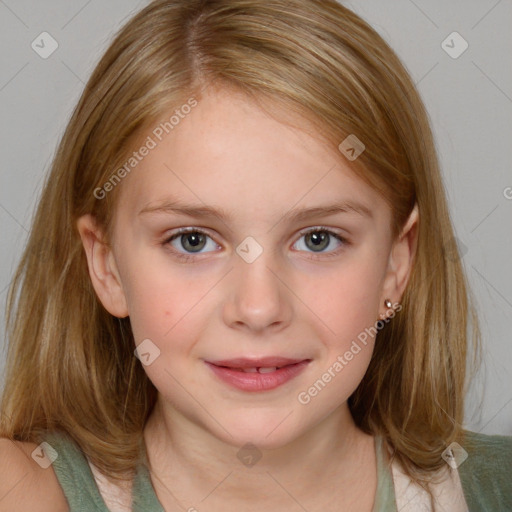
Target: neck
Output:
[(180, 450)]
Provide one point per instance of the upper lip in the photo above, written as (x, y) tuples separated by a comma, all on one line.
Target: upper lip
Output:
[(262, 362)]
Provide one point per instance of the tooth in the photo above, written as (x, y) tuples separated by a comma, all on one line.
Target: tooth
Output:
[(267, 370), (249, 370)]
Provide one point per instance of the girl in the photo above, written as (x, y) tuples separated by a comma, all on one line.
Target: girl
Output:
[(248, 302)]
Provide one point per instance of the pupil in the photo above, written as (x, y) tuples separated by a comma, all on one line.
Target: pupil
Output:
[(318, 238), (193, 240)]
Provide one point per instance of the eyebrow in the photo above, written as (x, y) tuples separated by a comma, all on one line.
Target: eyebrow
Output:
[(297, 215)]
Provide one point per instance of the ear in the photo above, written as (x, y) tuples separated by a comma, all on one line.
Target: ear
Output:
[(401, 259), (102, 267)]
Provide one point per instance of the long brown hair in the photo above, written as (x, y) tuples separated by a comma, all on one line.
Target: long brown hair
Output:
[(71, 365)]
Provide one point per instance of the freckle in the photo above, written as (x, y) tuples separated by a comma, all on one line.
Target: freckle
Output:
[(167, 313)]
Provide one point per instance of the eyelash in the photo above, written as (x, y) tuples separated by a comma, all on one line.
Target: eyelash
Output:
[(189, 257)]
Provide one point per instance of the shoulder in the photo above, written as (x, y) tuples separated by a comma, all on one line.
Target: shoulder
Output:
[(485, 469), (494, 449), (25, 484)]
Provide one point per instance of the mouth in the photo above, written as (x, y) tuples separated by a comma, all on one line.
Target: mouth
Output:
[(257, 374)]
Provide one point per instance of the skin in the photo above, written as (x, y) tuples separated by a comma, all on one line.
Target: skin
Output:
[(291, 301)]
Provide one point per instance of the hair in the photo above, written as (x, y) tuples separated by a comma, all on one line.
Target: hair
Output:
[(71, 365)]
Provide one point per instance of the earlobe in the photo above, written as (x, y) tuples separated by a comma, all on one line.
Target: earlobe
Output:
[(402, 257), (102, 267)]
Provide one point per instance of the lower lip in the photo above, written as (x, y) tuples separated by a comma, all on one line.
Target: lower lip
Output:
[(256, 381)]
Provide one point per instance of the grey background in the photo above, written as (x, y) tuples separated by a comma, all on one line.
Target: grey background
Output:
[(469, 100)]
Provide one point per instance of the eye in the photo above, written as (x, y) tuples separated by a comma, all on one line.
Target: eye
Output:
[(319, 239), (192, 240)]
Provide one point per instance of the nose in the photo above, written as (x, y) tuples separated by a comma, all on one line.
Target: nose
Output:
[(258, 299)]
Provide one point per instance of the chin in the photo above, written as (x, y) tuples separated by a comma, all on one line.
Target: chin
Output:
[(267, 431)]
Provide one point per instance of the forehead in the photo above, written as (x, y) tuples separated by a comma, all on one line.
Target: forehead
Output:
[(228, 153)]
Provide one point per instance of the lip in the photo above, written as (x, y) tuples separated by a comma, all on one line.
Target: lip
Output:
[(256, 362), (226, 371)]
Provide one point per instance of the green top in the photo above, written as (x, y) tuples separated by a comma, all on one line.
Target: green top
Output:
[(77, 481), (486, 477)]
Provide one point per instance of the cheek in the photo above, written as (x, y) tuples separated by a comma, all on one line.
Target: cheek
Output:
[(346, 307), (347, 300), (168, 312), (149, 306), (165, 304)]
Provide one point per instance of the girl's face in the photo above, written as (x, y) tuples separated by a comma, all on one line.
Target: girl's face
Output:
[(258, 275)]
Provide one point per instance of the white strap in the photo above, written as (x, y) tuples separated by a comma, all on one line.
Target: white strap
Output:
[(117, 498), (410, 497)]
